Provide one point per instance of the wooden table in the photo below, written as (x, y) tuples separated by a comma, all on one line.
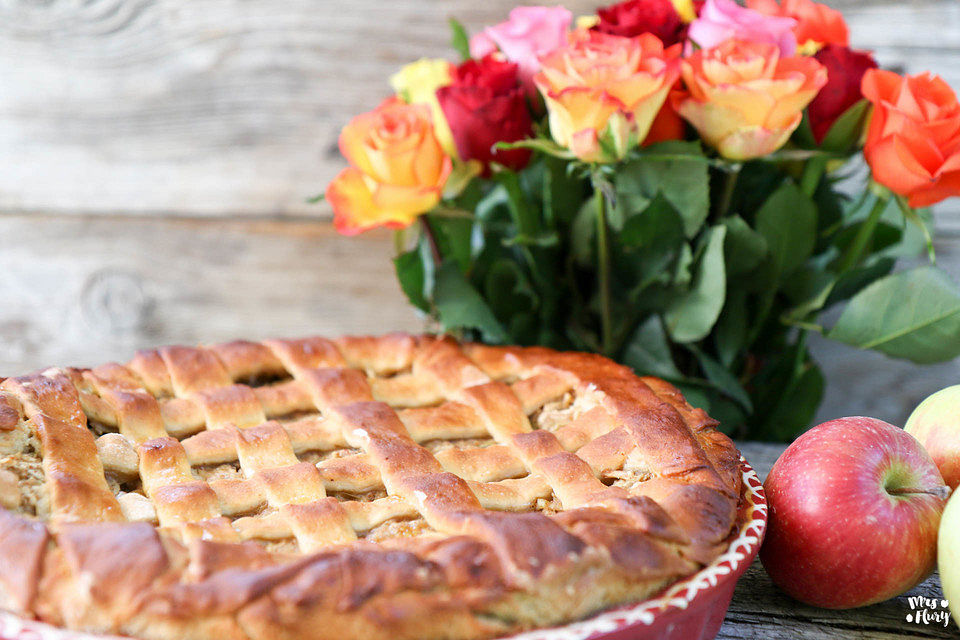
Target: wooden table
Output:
[(760, 610)]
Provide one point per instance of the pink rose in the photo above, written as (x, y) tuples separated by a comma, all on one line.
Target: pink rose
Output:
[(722, 20), (528, 33)]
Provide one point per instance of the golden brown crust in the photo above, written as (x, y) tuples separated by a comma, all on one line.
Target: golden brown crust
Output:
[(363, 487)]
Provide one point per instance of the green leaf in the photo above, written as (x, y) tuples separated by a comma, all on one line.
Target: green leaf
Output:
[(647, 351), (691, 316), (913, 314), (562, 193), (454, 236), (459, 306), (583, 231), (830, 204), (697, 396), (682, 179), (460, 178), (856, 279), (509, 293), (653, 240), (681, 274), (543, 145), (844, 133), (731, 335), (410, 273), (542, 239), (494, 206), (459, 39), (320, 197), (524, 215), (884, 235), (721, 378), (797, 405), (913, 216), (788, 222), (809, 290), (804, 133), (731, 415), (744, 248)]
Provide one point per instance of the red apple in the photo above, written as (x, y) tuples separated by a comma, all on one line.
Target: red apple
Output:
[(936, 424), (854, 509)]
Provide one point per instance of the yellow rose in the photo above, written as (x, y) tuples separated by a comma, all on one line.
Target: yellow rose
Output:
[(744, 99), (417, 83), (604, 91), (398, 169), (686, 10)]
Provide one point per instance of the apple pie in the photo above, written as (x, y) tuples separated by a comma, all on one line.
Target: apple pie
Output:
[(363, 487)]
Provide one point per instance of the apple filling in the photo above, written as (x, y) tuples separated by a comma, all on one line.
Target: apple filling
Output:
[(564, 410)]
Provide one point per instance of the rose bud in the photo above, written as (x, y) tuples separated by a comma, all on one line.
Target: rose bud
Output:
[(744, 98), (603, 92), (845, 69), (913, 143), (398, 169), (484, 105)]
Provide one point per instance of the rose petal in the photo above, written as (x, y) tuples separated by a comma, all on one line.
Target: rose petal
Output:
[(354, 210)]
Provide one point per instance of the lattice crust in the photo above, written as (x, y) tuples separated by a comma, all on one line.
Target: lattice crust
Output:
[(394, 486)]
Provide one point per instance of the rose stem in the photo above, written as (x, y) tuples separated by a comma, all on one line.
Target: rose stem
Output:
[(812, 173), (729, 186), (432, 240), (864, 234), (603, 260)]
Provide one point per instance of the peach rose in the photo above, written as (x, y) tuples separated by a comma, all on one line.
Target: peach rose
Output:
[(744, 98), (817, 24), (913, 142), (398, 169), (604, 91)]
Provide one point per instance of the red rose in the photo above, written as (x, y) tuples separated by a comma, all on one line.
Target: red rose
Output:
[(845, 69), (635, 17), (491, 71), (485, 105)]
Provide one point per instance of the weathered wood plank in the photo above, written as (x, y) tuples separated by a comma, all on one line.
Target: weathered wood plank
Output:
[(760, 610), (80, 291), (217, 107), (200, 107)]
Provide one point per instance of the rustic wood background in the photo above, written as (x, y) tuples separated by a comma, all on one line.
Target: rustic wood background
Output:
[(155, 156)]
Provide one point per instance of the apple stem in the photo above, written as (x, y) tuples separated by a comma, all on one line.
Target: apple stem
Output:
[(942, 492)]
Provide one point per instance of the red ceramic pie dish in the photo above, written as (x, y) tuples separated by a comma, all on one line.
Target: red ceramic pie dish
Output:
[(692, 609)]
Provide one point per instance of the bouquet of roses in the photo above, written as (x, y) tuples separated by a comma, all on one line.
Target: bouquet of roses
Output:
[(678, 185)]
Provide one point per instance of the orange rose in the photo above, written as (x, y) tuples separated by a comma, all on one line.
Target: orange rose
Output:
[(817, 24), (604, 91), (913, 143), (744, 99), (398, 172), (666, 126)]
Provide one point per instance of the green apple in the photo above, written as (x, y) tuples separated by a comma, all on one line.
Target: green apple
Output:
[(948, 555), (936, 424)]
